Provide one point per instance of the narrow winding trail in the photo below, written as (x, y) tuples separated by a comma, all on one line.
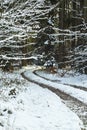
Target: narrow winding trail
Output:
[(74, 104)]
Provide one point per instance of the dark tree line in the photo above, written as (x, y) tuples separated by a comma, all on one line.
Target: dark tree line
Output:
[(71, 12), (55, 28), (70, 19)]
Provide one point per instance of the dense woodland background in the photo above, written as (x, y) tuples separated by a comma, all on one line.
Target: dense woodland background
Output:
[(34, 31)]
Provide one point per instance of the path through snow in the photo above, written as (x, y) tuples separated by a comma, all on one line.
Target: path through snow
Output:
[(32, 107), (76, 104)]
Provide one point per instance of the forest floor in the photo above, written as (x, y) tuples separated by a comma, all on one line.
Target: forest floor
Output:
[(31, 101)]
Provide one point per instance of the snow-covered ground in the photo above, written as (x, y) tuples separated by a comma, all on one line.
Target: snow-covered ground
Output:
[(70, 78), (74, 92), (27, 106)]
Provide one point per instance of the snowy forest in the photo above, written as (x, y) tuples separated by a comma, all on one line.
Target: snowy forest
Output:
[(43, 64), (32, 32)]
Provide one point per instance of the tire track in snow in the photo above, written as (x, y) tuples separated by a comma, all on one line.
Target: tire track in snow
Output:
[(74, 104), (74, 86)]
